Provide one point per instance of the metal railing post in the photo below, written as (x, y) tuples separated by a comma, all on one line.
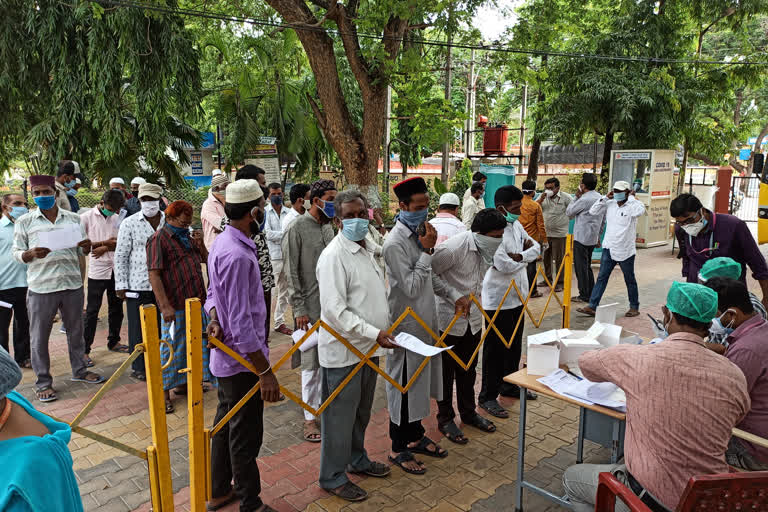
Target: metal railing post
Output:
[(194, 370), (568, 270)]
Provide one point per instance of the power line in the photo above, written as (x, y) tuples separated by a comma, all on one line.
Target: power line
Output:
[(427, 42)]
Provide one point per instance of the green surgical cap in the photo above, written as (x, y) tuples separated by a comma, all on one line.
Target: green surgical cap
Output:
[(694, 301), (720, 267)]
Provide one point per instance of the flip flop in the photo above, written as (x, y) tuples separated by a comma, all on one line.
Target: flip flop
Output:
[(452, 432), (51, 398), (231, 499), (349, 492), (169, 408), (376, 469), (312, 430), (99, 379), (123, 349), (422, 449), (494, 409), (406, 457), (88, 362), (482, 423)]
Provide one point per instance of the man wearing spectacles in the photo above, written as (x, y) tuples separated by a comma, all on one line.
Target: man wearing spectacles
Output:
[(704, 234)]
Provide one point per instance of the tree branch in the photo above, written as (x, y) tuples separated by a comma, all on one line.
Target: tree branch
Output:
[(351, 44), (318, 113)]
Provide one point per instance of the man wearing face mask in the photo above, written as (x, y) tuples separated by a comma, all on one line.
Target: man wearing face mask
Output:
[(101, 226), (621, 213), (71, 193), (212, 210), (299, 196), (747, 338), (65, 180), (407, 255), (13, 283), (276, 213), (510, 263), (676, 427), (303, 242), (703, 234), (131, 272), (553, 203), (473, 202), (462, 262), (353, 302), (532, 220), (133, 205)]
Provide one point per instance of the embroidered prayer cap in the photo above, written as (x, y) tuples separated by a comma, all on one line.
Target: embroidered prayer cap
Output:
[(407, 188), (41, 180)]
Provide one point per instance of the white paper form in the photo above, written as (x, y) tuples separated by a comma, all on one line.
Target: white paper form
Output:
[(560, 381), (606, 394), (311, 342), (545, 337), (63, 237), (414, 344)]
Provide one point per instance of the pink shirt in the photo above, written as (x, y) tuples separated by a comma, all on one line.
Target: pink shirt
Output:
[(211, 214), (447, 225), (748, 349), (99, 229), (682, 402)]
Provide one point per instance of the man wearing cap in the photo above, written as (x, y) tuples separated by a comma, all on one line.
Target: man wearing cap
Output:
[(553, 203), (118, 183), (407, 253), (303, 242), (704, 234), (65, 179), (101, 226), (445, 222), (133, 205), (532, 220), (13, 283), (212, 210), (276, 214), (71, 193), (746, 335), (586, 234), (473, 202), (676, 427), (622, 210), (55, 283), (131, 272), (237, 312)]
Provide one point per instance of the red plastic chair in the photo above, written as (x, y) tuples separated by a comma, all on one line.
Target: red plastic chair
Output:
[(709, 493)]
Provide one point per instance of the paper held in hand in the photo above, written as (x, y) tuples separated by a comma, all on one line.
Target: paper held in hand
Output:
[(66, 236), (414, 344), (310, 342)]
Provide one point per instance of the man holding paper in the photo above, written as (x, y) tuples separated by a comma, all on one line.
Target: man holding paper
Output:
[(352, 302), (55, 282), (13, 283)]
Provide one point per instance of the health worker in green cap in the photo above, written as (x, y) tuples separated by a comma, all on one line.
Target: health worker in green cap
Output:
[(728, 268), (666, 406)]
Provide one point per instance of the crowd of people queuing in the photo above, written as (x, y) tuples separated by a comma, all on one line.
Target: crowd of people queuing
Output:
[(327, 257)]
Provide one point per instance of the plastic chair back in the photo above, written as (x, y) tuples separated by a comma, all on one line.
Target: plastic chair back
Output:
[(727, 491), (610, 490)]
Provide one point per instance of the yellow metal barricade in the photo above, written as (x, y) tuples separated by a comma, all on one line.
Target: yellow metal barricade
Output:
[(200, 437)]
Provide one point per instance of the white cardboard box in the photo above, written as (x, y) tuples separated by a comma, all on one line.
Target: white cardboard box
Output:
[(543, 359)]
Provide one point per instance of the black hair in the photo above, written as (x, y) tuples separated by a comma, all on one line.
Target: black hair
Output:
[(478, 176), (554, 181), (731, 293), (529, 185), (683, 204), (476, 187), (589, 179), (507, 194), (66, 167), (298, 191), (249, 172), (274, 186), (236, 211), (114, 197), (7, 197), (684, 320), (488, 220)]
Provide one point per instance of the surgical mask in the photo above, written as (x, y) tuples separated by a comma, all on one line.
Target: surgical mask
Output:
[(328, 209), (354, 229), (45, 202), (619, 196), (150, 208), (487, 246), (276, 200), (107, 213), (511, 217), (18, 211), (70, 184), (413, 219), (182, 234), (549, 193), (72, 192), (695, 228), (717, 329)]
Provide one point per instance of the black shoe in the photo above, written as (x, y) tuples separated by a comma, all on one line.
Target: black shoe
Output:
[(514, 392)]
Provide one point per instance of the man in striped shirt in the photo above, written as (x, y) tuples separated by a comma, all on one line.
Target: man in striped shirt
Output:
[(55, 283)]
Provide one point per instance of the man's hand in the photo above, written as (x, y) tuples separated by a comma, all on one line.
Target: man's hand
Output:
[(579, 190), (541, 198), (544, 247), (462, 306), (429, 240), (609, 195), (169, 314), (302, 322), (527, 244), (85, 245), (517, 257), (120, 294), (100, 251), (197, 239), (270, 389), (386, 340), (214, 330), (35, 253)]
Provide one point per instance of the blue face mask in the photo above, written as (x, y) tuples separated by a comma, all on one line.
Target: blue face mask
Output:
[(276, 200), (413, 219), (619, 196), (18, 211), (328, 209), (718, 329), (354, 229), (70, 184), (71, 192), (45, 202), (182, 234)]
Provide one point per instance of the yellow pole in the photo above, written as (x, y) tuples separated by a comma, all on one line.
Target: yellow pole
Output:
[(194, 370), (156, 397), (154, 479), (568, 270)]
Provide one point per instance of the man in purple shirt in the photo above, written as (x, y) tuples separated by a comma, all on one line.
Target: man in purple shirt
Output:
[(237, 317), (748, 349), (703, 234)]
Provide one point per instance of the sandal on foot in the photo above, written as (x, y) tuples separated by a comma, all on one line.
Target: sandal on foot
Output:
[(139, 376), (403, 457), (423, 449), (169, 408), (123, 349), (494, 409), (88, 361), (376, 469), (231, 498), (50, 398), (482, 424), (452, 432), (311, 432), (349, 492), (27, 363), (89, 378)]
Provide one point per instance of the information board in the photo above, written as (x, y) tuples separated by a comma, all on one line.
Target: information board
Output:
[(264, 155), (196, 162)]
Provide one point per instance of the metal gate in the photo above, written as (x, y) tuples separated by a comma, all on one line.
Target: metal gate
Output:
[(744, 200)]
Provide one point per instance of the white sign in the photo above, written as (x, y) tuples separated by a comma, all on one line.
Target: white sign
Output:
[(637, 155)]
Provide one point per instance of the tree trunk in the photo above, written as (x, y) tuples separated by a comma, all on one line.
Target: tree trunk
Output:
[(607, 148), (683, 168), (533, 158)]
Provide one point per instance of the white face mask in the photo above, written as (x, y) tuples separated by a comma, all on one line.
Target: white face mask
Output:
[(549, 192), (695, 228), (150, 208)]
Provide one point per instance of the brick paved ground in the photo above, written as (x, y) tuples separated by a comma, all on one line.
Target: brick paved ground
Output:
[(478, 476)]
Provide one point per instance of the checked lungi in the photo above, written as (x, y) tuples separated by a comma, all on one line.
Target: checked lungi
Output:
[(171, 376)]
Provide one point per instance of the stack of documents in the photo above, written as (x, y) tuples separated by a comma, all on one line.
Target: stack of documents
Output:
[(606, 394), (310, 342)]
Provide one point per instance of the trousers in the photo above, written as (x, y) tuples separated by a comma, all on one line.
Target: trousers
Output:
[(464, 347), (582, 267), (45, 305), (17, 298), (96, 289), (236, 446), (498, 360), (132, 309), (407, 431), (556, 252), (311, 384), (607, 264), (344, 422), (281, 290)]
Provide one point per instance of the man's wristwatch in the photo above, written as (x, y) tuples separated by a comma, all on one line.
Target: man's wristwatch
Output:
[(430, 251)]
